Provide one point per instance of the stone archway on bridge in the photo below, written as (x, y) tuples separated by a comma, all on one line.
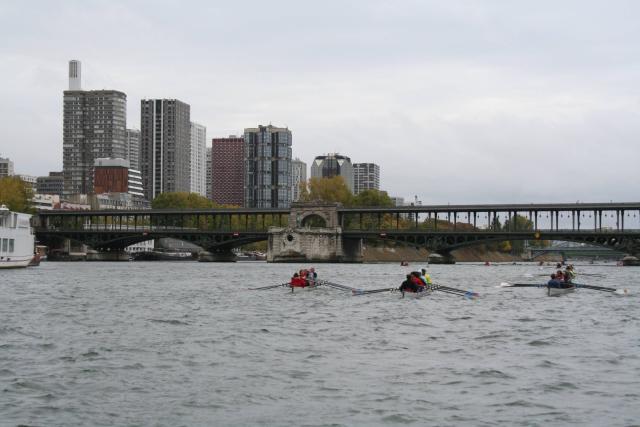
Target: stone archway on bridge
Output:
[(313, 221), (305, 215)]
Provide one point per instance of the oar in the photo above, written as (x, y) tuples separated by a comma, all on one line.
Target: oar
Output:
[(335, 285), (521, 285), (456, 291), (371, 291), (267, 287), (604, 289), (577, 285)]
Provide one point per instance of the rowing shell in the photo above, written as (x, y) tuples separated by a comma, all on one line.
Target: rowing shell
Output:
[(416, 295), (556, 292), (309, 287)]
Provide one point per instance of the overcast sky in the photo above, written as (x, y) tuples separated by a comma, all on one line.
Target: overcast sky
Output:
[(457, 101)]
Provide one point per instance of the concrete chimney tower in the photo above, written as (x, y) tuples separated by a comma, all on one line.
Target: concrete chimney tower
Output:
[(74, 75)]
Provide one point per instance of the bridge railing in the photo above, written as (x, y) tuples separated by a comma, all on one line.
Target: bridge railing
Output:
[(123, 221), (496, 219)]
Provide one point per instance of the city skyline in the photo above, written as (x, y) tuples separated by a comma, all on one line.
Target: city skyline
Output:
[(481, 99)]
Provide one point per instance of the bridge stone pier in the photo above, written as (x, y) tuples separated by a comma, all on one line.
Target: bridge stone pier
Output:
[(313, 234)]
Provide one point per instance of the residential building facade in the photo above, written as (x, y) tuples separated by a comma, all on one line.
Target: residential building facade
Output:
[(331, 165), (52, 184), (366, 176), (94, 126), (133, 148), (298, 176), (6, 167), (165, 146), (198, 159), (209, 177), (111, 176), (267, 167), (228, 170)]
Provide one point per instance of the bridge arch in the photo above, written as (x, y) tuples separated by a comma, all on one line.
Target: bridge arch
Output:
[(314, 220)]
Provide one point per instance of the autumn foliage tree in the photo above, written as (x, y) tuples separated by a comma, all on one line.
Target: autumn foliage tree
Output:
[(16, 194)]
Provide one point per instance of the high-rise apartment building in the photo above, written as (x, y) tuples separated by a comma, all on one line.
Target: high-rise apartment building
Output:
[(133, 148), (165, 146), (198, 159), (331, 165), (227, 170), (209, 177), (298, 176), (267, 167), (52, 184), (94, 126), (6, 167), (366, 176)]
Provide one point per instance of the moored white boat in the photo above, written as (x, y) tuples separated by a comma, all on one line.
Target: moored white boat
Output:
[(16, 239), (555, 291)]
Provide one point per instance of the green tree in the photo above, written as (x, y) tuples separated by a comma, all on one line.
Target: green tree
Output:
[(16, 194), (327, 190), (181, 200), (372, 198), (517, 223)]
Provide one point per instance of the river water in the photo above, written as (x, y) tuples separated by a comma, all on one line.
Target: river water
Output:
[(185, 344)]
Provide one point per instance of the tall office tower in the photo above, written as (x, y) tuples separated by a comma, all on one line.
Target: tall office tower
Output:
[(366, 176), (52, 184), (298, 176), (198, 158), (94, 126), (75, 78), (267, 151), (208, 181), (133, 148), (227, 170), (6, 167), (165, 146), (331, 165)]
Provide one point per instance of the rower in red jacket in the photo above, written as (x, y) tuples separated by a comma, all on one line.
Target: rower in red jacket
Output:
[(297, 281)]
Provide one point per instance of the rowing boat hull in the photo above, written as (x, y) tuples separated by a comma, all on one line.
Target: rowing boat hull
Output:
[(300, 288), (556, 292), (416, 295)]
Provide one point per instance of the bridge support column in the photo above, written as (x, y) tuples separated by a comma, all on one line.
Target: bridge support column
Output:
[(312, 245), (217, 255), (441, 258)]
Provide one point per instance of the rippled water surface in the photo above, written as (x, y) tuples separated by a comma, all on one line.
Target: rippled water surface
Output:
[(184, 344)]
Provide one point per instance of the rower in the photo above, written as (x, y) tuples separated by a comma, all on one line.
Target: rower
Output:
[(425, 277), (554, 282), (569, 273), (312, 276), (297, 281), (418, 281), (408, 285)]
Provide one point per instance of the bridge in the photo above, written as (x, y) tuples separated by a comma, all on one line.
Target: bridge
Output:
[(300, 232)]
